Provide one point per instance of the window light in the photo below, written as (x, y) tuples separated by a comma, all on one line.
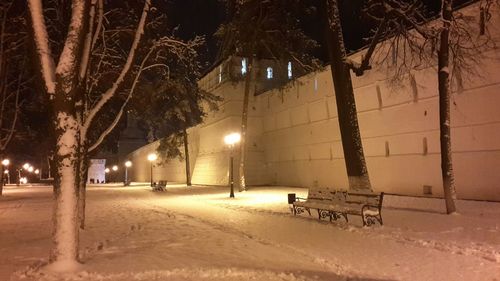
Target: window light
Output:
[(269, 73)]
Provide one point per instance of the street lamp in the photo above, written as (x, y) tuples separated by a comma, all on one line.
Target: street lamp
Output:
[(26, 166), (128, 164), (8, 176), (151, 158), (231, 140), (5, 163), (106, 171)]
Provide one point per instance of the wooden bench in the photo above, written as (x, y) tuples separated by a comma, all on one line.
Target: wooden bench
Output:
[(160, 186), (335, 204)]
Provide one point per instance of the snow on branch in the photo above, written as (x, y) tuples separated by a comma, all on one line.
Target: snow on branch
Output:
[(130, 58), (67, 66), (42, 45), (182, 51), (88, 42)]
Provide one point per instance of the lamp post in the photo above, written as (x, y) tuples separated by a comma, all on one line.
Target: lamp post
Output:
[(8, 176), (5, 164), (106, 172), (230, 140), (151, 158), (128, 164)]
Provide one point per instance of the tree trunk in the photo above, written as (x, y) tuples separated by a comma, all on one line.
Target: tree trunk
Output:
[(64, 256), (444, 108), (186, 156), (244, 122), (82, 188), (2, 168), (346, 106)]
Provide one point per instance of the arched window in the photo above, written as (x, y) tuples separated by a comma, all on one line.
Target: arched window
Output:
[(269, 73)]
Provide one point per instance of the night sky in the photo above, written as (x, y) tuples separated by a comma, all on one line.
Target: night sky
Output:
[(202, 17)]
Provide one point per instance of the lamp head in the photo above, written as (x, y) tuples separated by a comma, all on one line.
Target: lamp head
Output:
[(152, 157), (232, 138)]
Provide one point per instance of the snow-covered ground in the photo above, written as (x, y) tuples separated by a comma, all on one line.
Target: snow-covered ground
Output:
[(198, 233)]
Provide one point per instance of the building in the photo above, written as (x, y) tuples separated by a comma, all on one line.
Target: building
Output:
[(294, 138)]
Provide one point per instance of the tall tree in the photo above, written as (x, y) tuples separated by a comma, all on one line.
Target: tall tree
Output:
[(175, 104), (13, 74), (417, 38), (341, 67), (62, 81), (263, 30)]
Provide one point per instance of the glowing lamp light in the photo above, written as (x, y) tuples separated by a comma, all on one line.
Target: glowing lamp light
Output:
[(232, 139), (5, 162), (6, 171), (106, 170), (23, 180), (128, 164), (30, 169), (152, 157), (26, 166), (115, 168), (37, 171)]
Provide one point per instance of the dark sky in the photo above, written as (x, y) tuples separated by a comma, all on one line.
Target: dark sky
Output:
[(202, 17), (197, 17)]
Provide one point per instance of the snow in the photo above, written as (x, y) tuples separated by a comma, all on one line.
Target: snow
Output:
[(42, 45), (68, 59), (198, 233)]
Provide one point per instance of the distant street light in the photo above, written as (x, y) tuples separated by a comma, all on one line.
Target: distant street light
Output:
[(30, 169), (231, 140), (5, 163), (128, 164), (151, 158), (106, 172), (8, 176), (115, 168), (26, 166)]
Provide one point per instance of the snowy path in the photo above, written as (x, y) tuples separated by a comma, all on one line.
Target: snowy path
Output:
[(200, 234)]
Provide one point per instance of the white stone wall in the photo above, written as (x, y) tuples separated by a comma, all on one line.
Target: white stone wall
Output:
[(172, 171), (294, 136)]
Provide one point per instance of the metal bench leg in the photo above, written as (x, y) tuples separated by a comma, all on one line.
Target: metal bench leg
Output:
[(345, 217)]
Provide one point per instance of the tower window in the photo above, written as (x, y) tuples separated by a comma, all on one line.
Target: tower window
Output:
[(269, 73), (289, 70)]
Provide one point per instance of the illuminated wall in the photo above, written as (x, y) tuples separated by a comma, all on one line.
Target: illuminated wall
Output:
[(294, 136)]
